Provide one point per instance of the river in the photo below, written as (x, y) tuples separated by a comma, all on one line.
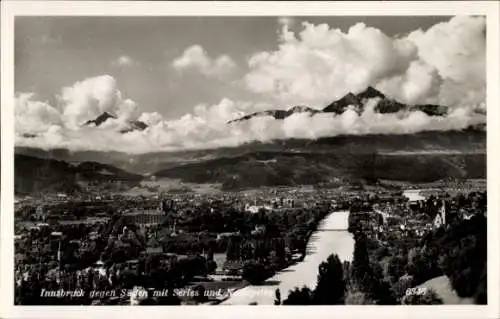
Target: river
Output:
[(330, 237)]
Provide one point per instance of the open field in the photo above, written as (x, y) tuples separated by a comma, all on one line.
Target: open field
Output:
[(164, 185)]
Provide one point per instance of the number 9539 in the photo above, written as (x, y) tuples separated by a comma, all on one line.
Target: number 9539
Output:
[(416, 291)]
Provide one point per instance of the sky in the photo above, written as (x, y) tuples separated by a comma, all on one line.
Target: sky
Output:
[(186, 76)]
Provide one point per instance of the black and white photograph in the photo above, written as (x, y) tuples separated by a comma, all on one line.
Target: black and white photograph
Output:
[(250, 160)]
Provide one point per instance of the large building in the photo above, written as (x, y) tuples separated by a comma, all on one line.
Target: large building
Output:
[(151, 216), (145, 217)]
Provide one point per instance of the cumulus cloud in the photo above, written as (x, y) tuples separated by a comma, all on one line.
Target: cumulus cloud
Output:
[(33, 116), (152, 118), (457, 50), (288, 21), (123, 61), (325, 63), (91, 97), (206, 127), (445, 64), (195, 57)]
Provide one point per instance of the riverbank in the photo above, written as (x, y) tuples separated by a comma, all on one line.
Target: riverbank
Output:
[(331, 237)]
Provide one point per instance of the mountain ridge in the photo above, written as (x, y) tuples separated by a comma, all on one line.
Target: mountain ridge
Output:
[(401, 155), (134, 125), (357, 101), (43, 175), (301, 168), (254, 169), (100, 119)]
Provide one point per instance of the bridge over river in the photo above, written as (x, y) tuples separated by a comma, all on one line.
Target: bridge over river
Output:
[(330, 237)]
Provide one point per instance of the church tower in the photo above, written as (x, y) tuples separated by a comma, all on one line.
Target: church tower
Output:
[(440, 219)]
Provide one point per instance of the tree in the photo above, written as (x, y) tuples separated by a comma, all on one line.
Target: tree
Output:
[(330, 288), (381, 290), (277, 298), (399, 288), (396, 268), (211, 266), (358, 298), (412, 254), (425, 266), (233, 248), (463, 255), (210, 254), (369, 279), (361, 265), (192, 266), (255, 273), (301, 297), (481, 296)]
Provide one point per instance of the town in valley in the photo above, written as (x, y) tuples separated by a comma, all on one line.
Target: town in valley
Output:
[(250, 160), (199, 248)]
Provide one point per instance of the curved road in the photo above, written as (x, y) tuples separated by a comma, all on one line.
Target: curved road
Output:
[(331, 237)]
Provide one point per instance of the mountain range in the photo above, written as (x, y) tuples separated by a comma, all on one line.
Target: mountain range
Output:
[(343, 169), (357, 101), (278, 114), (419, 157), (132, 125), (33, 175), (470, 140)]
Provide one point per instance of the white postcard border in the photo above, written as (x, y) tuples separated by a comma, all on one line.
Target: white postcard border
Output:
[(10, 9)]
